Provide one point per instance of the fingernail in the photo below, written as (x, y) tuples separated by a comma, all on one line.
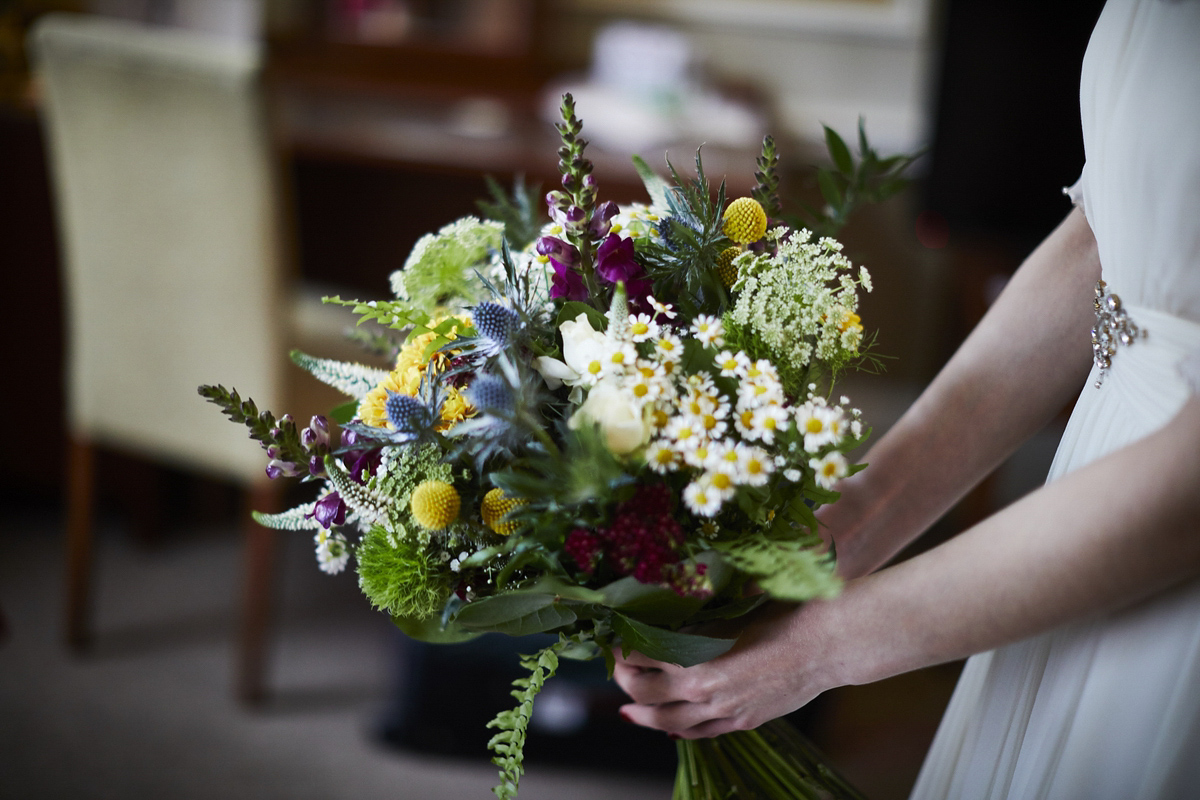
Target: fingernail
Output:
[(625, 716), (674, 736)]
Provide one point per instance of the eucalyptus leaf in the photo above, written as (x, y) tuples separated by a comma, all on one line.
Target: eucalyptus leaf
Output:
[(684, 649)]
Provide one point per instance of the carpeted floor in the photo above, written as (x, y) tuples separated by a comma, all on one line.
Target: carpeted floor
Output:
[(150, 713)]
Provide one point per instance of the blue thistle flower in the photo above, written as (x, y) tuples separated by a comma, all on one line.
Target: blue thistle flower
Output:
[(492, 395), (494, 322), (407, 414)]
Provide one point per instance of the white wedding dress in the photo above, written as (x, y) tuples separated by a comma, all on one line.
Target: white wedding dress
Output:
[(1109, 709)]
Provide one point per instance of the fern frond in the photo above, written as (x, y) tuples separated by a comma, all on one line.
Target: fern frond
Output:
[(513, 725), (785, 569), (352, 379)]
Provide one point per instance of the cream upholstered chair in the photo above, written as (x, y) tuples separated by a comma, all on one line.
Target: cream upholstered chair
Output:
[(170, 224)]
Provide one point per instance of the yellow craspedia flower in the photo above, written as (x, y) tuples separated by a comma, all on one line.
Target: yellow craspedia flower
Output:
[(745, 221), (493, 508), (435, 505), (726, 271)]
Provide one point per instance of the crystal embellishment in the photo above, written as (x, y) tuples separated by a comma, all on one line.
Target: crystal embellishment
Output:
[(1113, 328)]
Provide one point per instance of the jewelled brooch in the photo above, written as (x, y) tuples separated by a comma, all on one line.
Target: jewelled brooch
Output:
[(1113, 328)]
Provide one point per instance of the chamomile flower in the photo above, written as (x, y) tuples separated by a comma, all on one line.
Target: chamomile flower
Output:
[(708, 330), (619, 357), (699, 455), (661, 309), (830, 468), (661, 458), (332, 551), (755, 465), (642, 327), (766, 421), (713, 421), (701, 498), (669, 348), (819, 424), (646, 382), (723, 482), (722, 454), (730, 363), (683, 433)]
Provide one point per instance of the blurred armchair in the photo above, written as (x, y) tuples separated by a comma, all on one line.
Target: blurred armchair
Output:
[(172, 233)]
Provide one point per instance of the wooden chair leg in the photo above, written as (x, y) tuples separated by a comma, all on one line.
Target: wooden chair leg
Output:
[(258, 589), (81, 458)]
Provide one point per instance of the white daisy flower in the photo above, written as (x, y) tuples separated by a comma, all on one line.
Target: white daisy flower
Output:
[(642, 327), (699, 455), (723, 482), (729, 363), (661, 458), (755, 465), (683, 433), (708, 330), (332, 552), (819, 424), (793, 475), (856, 428), (669, 348), (619, 358), (830, 469), (767, 420), (700, 497), (661, 309)]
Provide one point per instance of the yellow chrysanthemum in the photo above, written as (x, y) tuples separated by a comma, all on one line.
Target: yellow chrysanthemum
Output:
[(435, 505), (745, 221), (493, 508), (411, 366), (726, 271)]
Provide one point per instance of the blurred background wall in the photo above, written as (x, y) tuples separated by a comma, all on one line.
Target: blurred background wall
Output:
[(386, 115)]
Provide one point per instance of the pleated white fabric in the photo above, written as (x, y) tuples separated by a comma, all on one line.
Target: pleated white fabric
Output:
[(1109, 709)]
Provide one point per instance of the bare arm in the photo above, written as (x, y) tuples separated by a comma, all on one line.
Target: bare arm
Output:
[(1102, 537), (1020, 366)]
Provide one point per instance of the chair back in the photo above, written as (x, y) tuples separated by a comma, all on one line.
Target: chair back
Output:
[(168, 217)]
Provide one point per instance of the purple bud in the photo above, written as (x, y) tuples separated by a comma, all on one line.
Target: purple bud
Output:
[(281, 469), (568, 182), (575, 215), (316, 466), (273, 451), (276, 433), (600, 224), (286, 419), (590, 182), (563, 254), (329, 511), (308, 437), (349, 438)]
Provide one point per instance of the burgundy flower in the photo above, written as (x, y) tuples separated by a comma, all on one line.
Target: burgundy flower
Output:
[(566, 283), (601, 218), (615, 260)]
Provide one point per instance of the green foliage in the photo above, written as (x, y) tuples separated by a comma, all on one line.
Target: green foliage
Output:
[(682, 262), (520, 213), (509, 743), (786, 569), (397, 315), (400, 576), (852, 183), (352, 379)]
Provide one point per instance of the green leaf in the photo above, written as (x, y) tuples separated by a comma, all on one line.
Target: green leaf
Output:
[(658, 189), (515, 613), (829, 188), (345, 412), (838, 152), (430, 630), (649, 602), (684, 649)]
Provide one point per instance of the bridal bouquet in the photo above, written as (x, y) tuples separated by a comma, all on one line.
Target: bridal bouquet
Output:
[(611, 425)]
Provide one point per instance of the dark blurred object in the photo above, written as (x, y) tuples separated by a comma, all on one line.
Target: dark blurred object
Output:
[(1007, 135), (15, 18), (445, 696)]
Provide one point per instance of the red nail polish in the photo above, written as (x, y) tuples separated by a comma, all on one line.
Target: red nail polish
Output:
[(625, 716), (673, 736)]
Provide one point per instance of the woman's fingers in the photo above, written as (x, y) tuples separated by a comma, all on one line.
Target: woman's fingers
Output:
[(685, 720), (648, 685)]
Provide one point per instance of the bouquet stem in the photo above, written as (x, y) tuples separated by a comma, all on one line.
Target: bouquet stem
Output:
[(771, 762)]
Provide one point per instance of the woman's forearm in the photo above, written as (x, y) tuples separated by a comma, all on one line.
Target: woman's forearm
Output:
[(1024, 361), (1099, 538)]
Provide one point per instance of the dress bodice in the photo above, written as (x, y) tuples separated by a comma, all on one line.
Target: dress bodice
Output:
[(1140, 104)]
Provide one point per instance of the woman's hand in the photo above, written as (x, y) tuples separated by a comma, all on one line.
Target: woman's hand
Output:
[(778, 664)]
